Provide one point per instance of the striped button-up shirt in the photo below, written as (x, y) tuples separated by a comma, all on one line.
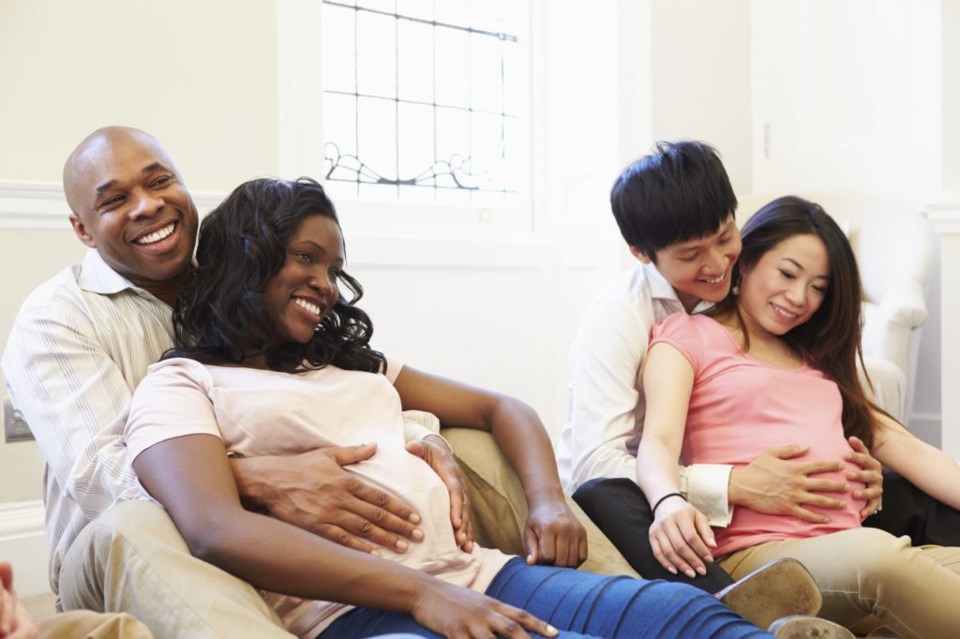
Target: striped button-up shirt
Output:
[(80, 344)]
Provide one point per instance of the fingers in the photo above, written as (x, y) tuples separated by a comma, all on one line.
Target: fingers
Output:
[(675, 554), (346, 455), (514, 622), (786, 452), (871, 508), (808, 515)]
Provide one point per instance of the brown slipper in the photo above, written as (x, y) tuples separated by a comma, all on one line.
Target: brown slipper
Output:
[(803, 627), (782, 588)]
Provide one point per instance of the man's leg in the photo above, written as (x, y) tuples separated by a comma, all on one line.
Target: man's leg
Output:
[(619, 508), (85, 624), (132, 559), (907, 510)]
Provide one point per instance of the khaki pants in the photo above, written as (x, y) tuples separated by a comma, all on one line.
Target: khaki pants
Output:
[(84, 624), (132, 559), (912, 591)]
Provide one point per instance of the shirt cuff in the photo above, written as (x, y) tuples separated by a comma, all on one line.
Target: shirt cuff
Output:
[(418, 424), (705, 487)]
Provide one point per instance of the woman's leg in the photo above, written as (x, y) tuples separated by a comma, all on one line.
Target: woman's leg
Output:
[(582, 604), (614, 607), (866, 571)]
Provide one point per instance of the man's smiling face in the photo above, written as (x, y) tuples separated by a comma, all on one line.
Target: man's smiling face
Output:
[(129, 202)]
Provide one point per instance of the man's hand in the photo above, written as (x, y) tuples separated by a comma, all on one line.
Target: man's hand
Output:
[(434, 451), (312, 491), (681, 538), (774, 484), (553, 535), (870, 473)]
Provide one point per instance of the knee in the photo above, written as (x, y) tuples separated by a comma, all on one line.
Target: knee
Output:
[(129, 521), (882, 556)]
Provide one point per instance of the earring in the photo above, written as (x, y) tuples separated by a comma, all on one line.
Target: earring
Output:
[(735, 290)]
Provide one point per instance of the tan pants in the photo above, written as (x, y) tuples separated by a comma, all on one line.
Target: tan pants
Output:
[(132, 559), (915, 592), (84, 624)]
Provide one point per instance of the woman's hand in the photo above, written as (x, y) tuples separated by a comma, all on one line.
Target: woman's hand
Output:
[(870, 474), (14, 622), (554, 536), (681, 538), (434, 451), (461, 613)]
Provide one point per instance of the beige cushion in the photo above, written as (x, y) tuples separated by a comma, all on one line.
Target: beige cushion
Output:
[(500, 508)]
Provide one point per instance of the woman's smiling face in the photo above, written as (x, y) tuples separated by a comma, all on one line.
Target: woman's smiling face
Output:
[(306, 287), (786, 286)]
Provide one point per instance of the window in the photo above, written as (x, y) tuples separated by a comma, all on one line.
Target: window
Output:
[(427, 102)]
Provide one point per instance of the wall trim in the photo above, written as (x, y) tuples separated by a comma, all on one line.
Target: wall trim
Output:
[(23, 543), (42, 205)]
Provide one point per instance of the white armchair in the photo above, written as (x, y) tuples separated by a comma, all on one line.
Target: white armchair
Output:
[(894, 245)]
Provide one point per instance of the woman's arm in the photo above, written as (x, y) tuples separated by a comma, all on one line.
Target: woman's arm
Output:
[(680, 535), (553, 535), (191, 477), (928, 468)]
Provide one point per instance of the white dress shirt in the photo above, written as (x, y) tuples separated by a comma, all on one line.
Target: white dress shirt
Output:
[(605, 401)]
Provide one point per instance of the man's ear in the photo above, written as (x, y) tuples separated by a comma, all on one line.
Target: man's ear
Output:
[(81, 232), (640, 255)]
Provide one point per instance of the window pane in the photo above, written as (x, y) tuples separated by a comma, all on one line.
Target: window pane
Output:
[(435, 108)]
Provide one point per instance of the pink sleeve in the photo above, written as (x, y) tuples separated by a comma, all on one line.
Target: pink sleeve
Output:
[(681, 331), (173, 400)]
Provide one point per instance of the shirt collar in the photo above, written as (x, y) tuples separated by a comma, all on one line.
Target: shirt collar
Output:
[(661, 289), (96, 276)]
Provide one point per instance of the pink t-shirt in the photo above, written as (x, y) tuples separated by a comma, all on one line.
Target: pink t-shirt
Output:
[(740, 407), (259, 412)]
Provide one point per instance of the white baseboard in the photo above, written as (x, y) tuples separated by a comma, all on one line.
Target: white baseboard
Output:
[(23, 543)]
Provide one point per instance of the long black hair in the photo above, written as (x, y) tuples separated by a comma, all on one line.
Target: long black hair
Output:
[(830, 340), (220, 316)]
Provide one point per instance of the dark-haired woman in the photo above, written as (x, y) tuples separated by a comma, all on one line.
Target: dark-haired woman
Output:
[(776, 363), (271, 360)]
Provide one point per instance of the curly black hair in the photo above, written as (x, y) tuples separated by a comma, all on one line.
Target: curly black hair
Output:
[(220, 318)]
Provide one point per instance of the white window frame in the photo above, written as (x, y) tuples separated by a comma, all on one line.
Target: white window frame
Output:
[(301, 143)]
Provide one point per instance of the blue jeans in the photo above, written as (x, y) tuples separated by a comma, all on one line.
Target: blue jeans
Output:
[(582, 604)]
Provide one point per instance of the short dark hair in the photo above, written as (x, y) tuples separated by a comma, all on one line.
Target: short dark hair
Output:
[(220, 316), (681, 192), (830, 340)]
